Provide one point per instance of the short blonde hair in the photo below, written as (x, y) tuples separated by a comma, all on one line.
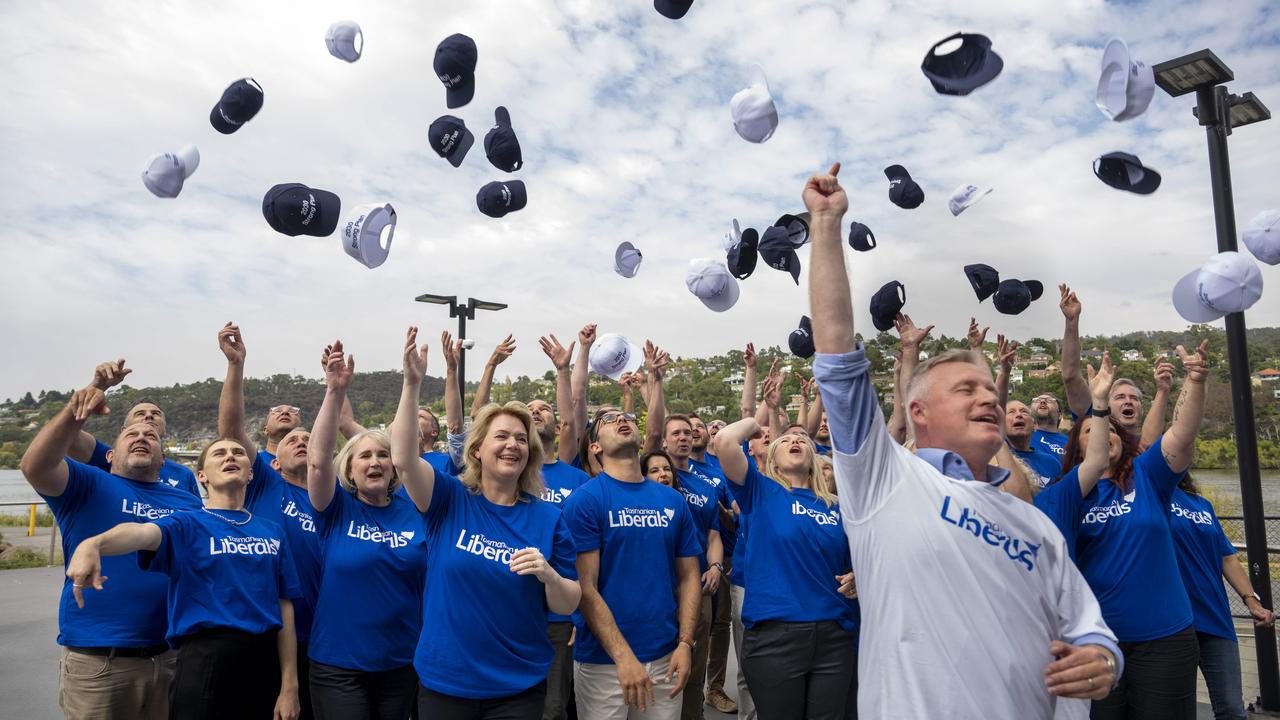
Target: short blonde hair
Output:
[(530, 484), (919, 381), (348, 454), (817, 483)]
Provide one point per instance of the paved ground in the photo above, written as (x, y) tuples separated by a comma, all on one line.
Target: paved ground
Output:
[(29, 654)]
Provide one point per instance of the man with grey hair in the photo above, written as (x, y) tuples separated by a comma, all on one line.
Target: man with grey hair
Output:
[(972, 606)]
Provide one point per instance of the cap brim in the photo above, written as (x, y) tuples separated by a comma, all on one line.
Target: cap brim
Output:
[(459, 153), (965, 85), (1148, 184), (795, 267), (461, 94), (330, 212), (502, 117), (189, 156), (1036, 287), (222, 126), (519, 196), (1186, 300), (724, 301)]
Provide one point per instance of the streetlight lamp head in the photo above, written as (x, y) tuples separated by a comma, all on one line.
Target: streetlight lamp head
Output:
[(1248, 109), (437, 299), (485, 304), (1202, 68)]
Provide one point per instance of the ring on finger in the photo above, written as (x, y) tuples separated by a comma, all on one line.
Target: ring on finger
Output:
[(1090, 683)]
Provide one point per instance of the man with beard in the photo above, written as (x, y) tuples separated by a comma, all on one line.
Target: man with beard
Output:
[(1047, 415), (1018, 428)]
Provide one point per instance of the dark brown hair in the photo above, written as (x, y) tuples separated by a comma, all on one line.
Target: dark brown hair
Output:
[(1073, 455)]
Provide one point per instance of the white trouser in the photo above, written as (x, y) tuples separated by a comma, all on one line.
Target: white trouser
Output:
[(600, 693), (746, 706)]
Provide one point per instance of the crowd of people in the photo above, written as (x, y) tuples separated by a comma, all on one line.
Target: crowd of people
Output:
[(970, 556)]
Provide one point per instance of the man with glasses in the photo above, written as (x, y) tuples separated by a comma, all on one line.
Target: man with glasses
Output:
[(1047, 413)]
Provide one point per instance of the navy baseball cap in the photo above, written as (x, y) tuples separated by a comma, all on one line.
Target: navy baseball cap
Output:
[(239, 103), (903, 191), (455, 65), (1035, 287), (968, 68), (500, 143), (860, 237), (674, 9), (779, 253), (797, 227), (451, 139), (801, 339), (295, 209), (1012, 297), (1123, 171), (498, 198), (741, 257), (887, 303), (983, 278)]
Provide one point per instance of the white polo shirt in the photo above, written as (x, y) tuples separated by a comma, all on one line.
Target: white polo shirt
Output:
[(962, 586)]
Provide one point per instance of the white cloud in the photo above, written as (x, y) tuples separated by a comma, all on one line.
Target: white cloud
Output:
[(624, 123)]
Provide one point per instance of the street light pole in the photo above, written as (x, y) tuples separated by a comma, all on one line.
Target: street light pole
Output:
[(463, 313), (1216, 110)]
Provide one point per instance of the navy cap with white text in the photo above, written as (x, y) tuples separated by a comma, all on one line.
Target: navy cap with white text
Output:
[(455, 65)]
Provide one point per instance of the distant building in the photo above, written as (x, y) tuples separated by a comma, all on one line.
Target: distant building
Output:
[(1015, 375), (1268, 375), (1091, 353), (1133, 356)]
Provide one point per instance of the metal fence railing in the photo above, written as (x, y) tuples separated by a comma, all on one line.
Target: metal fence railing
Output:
[(36, 506), (1233, 526)]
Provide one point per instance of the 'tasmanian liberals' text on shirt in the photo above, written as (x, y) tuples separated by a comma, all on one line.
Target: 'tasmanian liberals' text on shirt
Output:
[(271, 497), (939, 555), (1053, 442), (130, 610), (639, 529), (485, 627), (1201, 547), (1125, 549), (222, 575)]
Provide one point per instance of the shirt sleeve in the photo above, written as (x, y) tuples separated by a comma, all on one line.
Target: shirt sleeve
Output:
[(582, 515), (99, 457), (80, 484), (1224, 543), (443, 494), (164, 559), (1152, 463), (687, 544), (331, 516), (456, 443), (563, 556), (848, 396)]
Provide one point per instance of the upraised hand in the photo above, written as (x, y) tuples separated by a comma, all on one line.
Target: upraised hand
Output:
[(1163, 375), (806, 386), (749, 355), (587, 335), (451, 349), (87, 402), (773, 390), (910, 335), (1100, 380), (415, 358), (1006, 350), (823, 196), (1068, 303), (975, 336), (559, 354), (338, 367), (503, 351), (231, 343), (109, 374), (1196, 364)]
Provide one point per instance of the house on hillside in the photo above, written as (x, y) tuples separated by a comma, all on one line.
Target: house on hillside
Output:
[(1133, 356), (1092, 354), (736, 381), (1015, 376), (1266, 375)]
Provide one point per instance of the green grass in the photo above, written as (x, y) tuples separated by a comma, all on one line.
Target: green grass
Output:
[(44, 518), (23, 558)]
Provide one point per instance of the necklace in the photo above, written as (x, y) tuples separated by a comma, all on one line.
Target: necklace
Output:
[(223, 517)]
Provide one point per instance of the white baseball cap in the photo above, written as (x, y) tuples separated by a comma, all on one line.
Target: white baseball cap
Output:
[(345, 40), (626, 259), (713, 284), (1262, 237), (754, 115), (612, 355), (1125, 86), (966, 196), (1228, 282), (362, 234), (165, 174)]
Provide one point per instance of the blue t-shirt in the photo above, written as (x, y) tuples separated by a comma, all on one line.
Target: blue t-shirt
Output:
[(1201, 545), (1054, 442), (739, 576), (560, 479), (484, 628), (711, 471), (1060, 501), (1047, 465), (369, 613), (703, 499), (129, 611), (222, 575), (270, 497), (1124, 548), (174, 473), (441, 463), (821, 449), (639, 529), (798, 549)]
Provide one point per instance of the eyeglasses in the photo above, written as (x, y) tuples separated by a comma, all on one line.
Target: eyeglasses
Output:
[(281, 409), (610, 418)]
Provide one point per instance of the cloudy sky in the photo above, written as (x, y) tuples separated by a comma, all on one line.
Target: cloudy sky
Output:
[(624, 122)]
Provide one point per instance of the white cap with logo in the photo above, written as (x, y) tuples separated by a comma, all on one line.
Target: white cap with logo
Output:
[(612, 355), (965, 197), (345, 40), (1228, 282), (626, 259), (754, 115), (712, 283), (1262, 237), (362, 233), (1125, 86), (165, 174)]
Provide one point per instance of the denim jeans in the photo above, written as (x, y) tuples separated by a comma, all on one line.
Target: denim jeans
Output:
[(1220, 665)]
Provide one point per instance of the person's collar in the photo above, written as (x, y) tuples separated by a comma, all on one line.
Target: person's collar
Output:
[(953, 466)]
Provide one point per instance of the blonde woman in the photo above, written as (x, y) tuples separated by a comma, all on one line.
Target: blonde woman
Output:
[(500, 558), (801, 623)]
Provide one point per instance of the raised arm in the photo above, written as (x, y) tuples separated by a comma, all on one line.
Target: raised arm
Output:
[(85, 567), (1098, 450), (500, 354), (802, 416), (231, 400), (656, 359), (773, 402), (106, 376), (560, 356), (416, 474), (1153, 425), (628, 396), (729, 448), (815, 410), (763, 414), (1006, 353), (1179, 440), (338, 370), (1017, 484), (1078, 397), (451, 350), (42, 464), (749, 382), (975, 337), (897, 425), (581, 372), (912, 337), (829, 299)]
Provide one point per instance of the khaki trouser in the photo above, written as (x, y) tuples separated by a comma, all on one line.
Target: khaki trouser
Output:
[(600, 693), (718, 658), (119, 688), (746, 706), (691, 708)]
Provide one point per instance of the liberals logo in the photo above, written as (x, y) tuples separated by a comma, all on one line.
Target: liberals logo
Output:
[(1101, 514), (146, 511), (305, 521), (830, 517), (478, 544), (1199, 517), (244, 546), (641, 517), (556, 495), (373, 533), (1023, 552), (694, 498)]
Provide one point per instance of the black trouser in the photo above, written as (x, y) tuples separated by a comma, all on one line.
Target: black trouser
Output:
[(525, 705), (342, 694), (304, 682), (225, 673), (800, 670), (560, 678), (1159, 681)]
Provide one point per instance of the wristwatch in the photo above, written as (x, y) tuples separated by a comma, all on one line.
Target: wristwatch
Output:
[(1254, 595), (1101, 413), (719, 567)]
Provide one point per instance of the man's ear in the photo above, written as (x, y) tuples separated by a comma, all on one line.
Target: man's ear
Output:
[(916, 411), (110, 454), (275, 464)]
